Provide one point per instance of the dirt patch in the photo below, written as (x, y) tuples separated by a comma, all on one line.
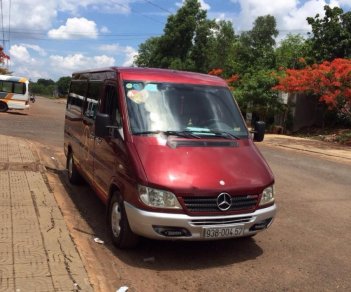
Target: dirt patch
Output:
[(335, 136)]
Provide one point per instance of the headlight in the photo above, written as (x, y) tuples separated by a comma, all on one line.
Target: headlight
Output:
[(267, 196), (158, 198)]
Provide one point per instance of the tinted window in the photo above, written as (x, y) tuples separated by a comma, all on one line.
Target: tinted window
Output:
[(13, 87), (92, 101), (19, 88), (110, 104), (77, 95)]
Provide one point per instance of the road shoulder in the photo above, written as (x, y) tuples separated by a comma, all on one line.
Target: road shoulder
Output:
[(324, 149)]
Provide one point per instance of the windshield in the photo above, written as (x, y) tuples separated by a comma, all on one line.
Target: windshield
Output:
[(171, 108)]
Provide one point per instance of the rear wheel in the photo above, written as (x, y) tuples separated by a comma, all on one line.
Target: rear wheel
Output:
[(73, 174), (121, 234), (3, 107)]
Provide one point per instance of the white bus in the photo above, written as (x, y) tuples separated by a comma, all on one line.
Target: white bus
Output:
[(13, 93)]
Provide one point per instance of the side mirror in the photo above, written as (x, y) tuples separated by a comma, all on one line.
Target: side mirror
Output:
[(259, 130), (102, 122)]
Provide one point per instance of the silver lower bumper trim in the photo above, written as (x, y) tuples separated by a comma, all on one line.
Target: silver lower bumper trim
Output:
[(141, 222)]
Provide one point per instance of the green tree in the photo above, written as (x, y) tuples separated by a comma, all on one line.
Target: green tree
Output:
[(331, 35), (177, 41), (255, 48), (45, 82), (147, 53), (202, 50), (223, 52), (185, 43), (290, 51), (255, 95), (42, 87), (63, 85)]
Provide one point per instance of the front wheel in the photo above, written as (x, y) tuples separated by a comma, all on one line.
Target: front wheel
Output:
[(121, 234), (73, 174), (3, 107)]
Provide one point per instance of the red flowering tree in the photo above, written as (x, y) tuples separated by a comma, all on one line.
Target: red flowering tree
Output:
[(3, 58), (331, 81), (230, 81)]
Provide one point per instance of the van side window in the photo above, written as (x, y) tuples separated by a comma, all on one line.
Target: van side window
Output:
[(6, 86), (110, 105), (19, 88), (76, 95), (93, 98)]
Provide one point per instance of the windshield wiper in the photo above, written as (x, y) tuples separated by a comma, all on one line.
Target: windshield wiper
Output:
[(226, 135), (184, 134), (222, 134), (190, 134)]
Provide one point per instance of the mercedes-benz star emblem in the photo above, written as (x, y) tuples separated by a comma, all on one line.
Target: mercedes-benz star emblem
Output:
[(224, 201)]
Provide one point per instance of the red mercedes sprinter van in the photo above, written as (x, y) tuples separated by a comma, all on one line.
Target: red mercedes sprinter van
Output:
[(169, 154)]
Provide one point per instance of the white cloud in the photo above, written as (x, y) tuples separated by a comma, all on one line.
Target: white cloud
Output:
[(41, 14), (75, 28), (34, 14), (130, 54), (290, 14), (346, 3), (31, 73), (22, 62), (127, 53), (103, 61), (19, 54), (106, 6), (35, 48), (65, 65), (112, 48)]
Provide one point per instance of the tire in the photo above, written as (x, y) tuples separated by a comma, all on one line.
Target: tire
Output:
[(74, 176), (3, 107), (118, 227)]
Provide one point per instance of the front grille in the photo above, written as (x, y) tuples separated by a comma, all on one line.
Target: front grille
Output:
[(209, 204), (220, 221)]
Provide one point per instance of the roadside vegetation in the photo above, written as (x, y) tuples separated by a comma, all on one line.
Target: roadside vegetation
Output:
[(50, 88), (256, 65)]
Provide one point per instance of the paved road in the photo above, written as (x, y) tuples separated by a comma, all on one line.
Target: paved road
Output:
[(306, 249)]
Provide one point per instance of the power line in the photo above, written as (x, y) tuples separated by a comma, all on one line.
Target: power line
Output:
[(9, 24), (140, 13), (2, 26), (34, 32), (158, 6)]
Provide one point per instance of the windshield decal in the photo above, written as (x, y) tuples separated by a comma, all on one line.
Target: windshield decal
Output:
[(138, 96)]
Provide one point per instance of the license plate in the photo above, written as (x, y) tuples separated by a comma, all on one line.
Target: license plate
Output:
[(223, 232)]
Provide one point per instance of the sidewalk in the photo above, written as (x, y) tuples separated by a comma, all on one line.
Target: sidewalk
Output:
[(36, 250), (326, 149)]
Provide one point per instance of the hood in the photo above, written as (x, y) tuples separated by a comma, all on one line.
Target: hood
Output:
[(200, 166)]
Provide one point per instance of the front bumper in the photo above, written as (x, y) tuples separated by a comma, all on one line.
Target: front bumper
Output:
[(144, 223)]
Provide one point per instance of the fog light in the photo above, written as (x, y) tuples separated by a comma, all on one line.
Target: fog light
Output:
[(171, 231), (261, 225)]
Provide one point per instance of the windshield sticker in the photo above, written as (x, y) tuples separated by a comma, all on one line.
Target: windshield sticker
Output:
[(138, 96), (151, 87), (138, 86), (196, 129), (129, 86)]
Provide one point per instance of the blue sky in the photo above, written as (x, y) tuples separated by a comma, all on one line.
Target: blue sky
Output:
[(51, 38)]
